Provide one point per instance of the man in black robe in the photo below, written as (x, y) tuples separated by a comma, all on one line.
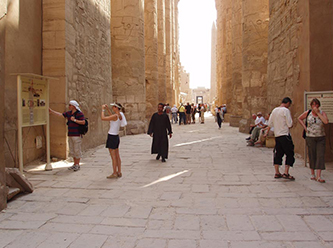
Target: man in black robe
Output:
[(159, 129)]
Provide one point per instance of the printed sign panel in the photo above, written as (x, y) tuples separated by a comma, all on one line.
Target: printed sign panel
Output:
[(326, 102), (34, 97)]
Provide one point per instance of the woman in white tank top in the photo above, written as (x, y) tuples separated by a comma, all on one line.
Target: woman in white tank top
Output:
[(113, 140)]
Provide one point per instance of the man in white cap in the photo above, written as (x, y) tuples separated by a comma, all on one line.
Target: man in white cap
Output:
[(74, 118)]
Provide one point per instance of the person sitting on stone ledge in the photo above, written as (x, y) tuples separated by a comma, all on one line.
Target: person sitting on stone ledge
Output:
[(264, 132), (252, 126), (256, 130)]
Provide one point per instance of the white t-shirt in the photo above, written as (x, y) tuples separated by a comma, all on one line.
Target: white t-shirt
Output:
[(260, 120), (281, 120), (114, 127)]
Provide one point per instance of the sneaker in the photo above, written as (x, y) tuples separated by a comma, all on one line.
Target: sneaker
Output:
[(248, 138), (163, 160), (76, 167), (72, 167)]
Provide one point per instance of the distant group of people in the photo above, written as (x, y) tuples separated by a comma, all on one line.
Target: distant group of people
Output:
[(279, 123), (185, 114)]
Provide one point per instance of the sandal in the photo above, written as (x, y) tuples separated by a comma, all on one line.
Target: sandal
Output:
[(313, 177), (119, 174), (112, 176), (287, 176), (320, 180), (278, 175)]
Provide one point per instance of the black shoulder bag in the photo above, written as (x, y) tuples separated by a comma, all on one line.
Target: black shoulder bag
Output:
[(306, 124)]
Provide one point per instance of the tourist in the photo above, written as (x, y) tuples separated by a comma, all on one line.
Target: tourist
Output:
[(219, 117), (224, 109), (159, 128), (264, 132), (113, 140), (74, 118), (202, 111), (260, 124), (167, 110), (281, 120), (188, 113), (252, 126), (174, 112), (182, 116), (193, 112), (315, 138)]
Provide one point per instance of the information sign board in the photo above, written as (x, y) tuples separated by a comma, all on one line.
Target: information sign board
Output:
[(33, 101)]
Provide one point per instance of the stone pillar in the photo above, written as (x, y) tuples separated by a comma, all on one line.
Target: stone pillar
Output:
[(151, 60), (54, 65), (177, 54), (168, 50), (227, 63), (236, 80), (161, 52), (3, 189), (219, 50), (255, 47), (128, 61)]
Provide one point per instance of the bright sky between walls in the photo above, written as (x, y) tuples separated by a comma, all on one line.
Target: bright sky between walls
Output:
[(196, 19)]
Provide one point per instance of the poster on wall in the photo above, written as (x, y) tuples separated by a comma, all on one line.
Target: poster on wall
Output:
[(326, 102), (33, 100)]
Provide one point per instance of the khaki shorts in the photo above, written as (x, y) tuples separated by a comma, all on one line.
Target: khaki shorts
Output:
[(75, 146)]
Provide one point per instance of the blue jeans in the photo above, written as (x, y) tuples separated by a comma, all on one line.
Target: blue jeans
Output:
[(174, 118)]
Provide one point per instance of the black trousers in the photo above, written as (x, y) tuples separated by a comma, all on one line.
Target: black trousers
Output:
[(284, 146)]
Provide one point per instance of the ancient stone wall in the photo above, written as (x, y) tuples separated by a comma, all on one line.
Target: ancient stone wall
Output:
[(76, 50), (128, 61), (22, 55), (3, 191), (88, 62), (151, 59)]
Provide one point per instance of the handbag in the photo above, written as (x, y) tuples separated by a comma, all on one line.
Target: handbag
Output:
[(306, 124)]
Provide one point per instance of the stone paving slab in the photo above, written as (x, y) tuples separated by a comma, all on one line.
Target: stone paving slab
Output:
[(213, 192)]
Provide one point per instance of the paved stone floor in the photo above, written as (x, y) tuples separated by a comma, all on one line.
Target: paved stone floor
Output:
[(213, 192)]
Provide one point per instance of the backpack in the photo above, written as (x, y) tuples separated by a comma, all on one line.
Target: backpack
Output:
[(83, 129)]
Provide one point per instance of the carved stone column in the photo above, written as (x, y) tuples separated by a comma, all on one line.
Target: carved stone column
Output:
[(151, 63), (236, 77), (3, 189), (255, 48), (161, 52), (219, 50), (128, 61), (168, 50)]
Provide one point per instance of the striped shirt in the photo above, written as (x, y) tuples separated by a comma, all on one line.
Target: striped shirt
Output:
[(73, 128)]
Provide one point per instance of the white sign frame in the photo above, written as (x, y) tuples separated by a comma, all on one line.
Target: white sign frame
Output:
[(21, 103)]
